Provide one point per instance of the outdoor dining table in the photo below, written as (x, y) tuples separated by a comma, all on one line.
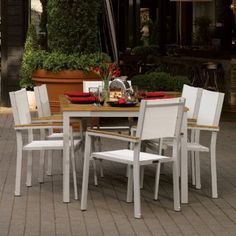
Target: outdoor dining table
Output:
[(71, 110)]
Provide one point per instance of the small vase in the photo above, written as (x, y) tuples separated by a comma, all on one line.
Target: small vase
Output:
[(106, 90)]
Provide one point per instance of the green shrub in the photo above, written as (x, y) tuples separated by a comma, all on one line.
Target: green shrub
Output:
[(31, 46), (145, 51), (73, 26), (159, 81), (58, 61), (72, 30)]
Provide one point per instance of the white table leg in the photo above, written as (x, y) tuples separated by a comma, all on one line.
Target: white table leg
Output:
[(66, 158), (184, 162)]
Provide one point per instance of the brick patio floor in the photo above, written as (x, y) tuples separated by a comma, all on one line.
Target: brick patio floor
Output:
[(40, 211)]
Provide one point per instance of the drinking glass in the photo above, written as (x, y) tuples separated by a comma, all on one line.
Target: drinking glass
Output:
[(101, 95), (95, 92)]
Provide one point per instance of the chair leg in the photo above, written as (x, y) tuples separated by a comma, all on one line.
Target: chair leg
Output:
[(84, 194), (137, 200), (197, 162), (100, 161), (213, 166), (29, 169), (95, 173), (197, 171), (176, 186), (141, 176), (157, 180), (18, 165), (192, 158), (41, 166), (193, 168), (101, 169), (74, 172), (129, 197), (49, 170)]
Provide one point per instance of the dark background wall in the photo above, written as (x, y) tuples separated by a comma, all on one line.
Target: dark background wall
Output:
[(14, 15)]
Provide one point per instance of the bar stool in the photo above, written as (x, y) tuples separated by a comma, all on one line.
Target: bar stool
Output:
[(210, 75)]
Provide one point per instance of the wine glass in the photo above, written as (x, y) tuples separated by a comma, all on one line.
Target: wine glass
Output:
[(95, 92)]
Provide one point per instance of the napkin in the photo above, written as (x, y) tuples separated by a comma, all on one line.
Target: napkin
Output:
[(77, 94), (155, 94), (154, 98), (84, 100)]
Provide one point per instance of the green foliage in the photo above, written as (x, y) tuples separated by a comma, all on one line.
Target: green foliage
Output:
[(159, 81), (31, 42), (72, 30), (145, 51), (73, 26), (202, 36), (58, 61), (31, 45)]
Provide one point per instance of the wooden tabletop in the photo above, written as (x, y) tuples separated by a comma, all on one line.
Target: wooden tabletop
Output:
[(66, 105)]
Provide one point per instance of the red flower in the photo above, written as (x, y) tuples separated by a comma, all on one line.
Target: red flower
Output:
[(107, 70)]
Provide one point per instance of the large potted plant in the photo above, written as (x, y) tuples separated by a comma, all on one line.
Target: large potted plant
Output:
[(72, 48)]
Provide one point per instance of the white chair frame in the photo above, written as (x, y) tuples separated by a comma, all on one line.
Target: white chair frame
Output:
[(22, 119), (168, 115), (207, 120)]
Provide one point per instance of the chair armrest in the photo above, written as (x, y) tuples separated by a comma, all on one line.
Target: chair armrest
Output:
[(203, 127), (38, 126), (52, 118), (192, 120), (112, 135)]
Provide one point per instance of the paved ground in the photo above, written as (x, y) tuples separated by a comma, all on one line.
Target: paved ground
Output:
[(40, 211)]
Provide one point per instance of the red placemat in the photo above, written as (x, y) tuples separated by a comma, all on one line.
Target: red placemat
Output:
[(84, 100), (77, 94), (155, 94), (154, 98)]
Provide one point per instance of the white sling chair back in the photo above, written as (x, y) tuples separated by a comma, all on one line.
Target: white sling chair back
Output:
[(22, 119), (207, 120), (44, 112), (157, 119), (192, 96), (42, 101)]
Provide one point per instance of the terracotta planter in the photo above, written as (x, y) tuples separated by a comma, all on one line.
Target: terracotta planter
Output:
[(60, 82)]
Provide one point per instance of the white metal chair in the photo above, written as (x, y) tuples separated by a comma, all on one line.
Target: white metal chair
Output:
[(207, 120), (192, 97), (44, 114), (22, 119), (166, 116)]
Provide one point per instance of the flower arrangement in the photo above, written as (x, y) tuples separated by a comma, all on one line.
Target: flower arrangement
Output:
[(107, 72)]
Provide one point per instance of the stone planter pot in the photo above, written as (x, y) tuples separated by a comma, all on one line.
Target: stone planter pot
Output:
[(60, 82)]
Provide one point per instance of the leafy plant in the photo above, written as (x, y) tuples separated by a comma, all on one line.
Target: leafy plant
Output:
[(159, 81), (145, 51), (58, 61), (73, 26), (31, 45), (72, 39)]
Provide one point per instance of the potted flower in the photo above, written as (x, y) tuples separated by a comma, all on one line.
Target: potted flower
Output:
[(72, 49), (107, 72)]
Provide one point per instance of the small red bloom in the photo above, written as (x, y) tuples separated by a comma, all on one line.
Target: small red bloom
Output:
[(121, 101)]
